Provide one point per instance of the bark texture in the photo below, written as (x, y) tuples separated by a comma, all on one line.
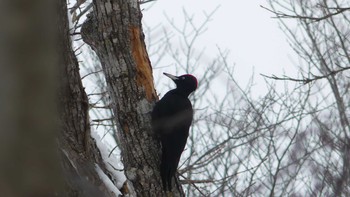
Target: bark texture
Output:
[(114, 32), (79, 154)]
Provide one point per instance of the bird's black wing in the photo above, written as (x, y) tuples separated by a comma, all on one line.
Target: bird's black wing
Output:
[(171, 120), (171, 112)]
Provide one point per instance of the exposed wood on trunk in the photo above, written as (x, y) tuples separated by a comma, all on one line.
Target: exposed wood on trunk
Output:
[(143, 65)]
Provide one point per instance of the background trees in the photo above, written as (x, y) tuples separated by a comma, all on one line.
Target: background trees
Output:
[(280, 143), (320, 39)]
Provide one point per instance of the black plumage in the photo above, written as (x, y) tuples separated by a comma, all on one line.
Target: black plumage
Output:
[(171, 119)]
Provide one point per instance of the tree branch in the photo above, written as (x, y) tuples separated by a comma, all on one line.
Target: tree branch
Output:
[(312, 18), (306, 80)]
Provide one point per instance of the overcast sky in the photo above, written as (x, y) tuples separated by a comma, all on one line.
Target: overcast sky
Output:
[(249, 32)]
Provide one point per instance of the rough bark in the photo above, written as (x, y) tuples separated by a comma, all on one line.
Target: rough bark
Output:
[(114, 32), (79, 154)]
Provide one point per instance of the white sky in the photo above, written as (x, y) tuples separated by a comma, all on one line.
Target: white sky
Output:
[(244, 28)]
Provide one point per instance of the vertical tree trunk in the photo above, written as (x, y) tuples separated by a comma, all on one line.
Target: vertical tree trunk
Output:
[(80, 157), (28, 163), (114, 32)]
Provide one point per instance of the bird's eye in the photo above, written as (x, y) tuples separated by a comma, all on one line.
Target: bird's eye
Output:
[(183, 78)]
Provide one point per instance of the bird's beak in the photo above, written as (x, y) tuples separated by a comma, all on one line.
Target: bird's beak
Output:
[(171, 76)]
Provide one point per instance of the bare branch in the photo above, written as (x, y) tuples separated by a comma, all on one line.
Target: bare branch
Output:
[(306, 80), (312, 18)]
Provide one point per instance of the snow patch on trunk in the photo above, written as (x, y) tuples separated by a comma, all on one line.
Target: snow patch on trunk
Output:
[(111, 162), (109, 184)]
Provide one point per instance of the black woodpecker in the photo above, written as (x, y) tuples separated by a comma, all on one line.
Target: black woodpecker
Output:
[(171, 119)]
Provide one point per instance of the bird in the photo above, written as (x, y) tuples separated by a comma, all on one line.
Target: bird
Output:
[(172, 117)]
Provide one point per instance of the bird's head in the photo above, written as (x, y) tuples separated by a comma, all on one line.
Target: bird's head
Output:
[(187, 83)]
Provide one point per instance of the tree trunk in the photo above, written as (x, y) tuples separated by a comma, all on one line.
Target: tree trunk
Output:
[(28, 163), (114, 32), (80, 157)]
